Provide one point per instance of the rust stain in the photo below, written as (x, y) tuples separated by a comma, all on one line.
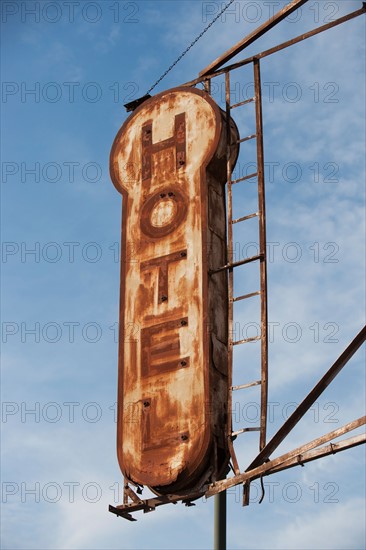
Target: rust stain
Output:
[(168, 161)]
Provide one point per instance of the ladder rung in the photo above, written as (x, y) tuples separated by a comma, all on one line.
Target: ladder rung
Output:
[(252, 339), (245, 296), (242, 103), (236, 264), (245, 430), (246, 217), (252, 136), (242, 386), (249, 177)]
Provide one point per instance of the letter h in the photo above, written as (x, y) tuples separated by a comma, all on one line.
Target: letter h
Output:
[(178, 141)]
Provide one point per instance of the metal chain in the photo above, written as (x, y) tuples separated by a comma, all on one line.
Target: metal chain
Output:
[(190, 46)]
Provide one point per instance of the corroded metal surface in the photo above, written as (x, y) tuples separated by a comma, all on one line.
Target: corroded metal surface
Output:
[(169, 162), (168, 433)]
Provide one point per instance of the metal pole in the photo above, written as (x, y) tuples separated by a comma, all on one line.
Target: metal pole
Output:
[(220, 521)]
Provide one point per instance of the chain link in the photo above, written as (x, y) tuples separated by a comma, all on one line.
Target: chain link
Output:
[(189, 47)]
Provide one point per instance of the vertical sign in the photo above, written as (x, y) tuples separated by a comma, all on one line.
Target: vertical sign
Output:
[(169, 162)]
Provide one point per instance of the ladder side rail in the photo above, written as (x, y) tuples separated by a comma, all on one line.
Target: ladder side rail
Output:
[(262, 247), (230, 273)]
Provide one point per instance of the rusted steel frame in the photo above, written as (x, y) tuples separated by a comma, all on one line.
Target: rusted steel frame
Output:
[(207, 86), (125, 495), (149, 505), (309, 400), (129, 493), (254, 473), (302, 454), (253, 36), (308, 456), (281, 46), (230, 276), (298, 460), (262, 251)]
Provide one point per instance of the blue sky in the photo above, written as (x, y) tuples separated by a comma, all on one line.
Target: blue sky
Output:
[(67, 69)]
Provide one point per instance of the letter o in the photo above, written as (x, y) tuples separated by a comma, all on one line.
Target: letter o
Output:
[(165, 199)]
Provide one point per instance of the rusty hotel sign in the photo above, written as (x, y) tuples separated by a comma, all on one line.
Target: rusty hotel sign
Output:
[(171, 160), (169, 163)]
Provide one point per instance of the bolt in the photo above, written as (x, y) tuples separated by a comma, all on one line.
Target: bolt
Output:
[(162, 195), (183, 363), (164, 298)]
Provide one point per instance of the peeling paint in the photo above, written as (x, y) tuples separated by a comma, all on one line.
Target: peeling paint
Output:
[(169, 162)]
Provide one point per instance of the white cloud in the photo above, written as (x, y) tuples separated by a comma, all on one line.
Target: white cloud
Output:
[(308, 530)]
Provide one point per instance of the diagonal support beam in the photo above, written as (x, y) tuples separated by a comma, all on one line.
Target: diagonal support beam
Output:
[(253, 36), (279, 47), (286, 460), (309, 400)]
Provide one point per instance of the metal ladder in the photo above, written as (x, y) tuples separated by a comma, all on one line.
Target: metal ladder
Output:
[(261, 257)]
